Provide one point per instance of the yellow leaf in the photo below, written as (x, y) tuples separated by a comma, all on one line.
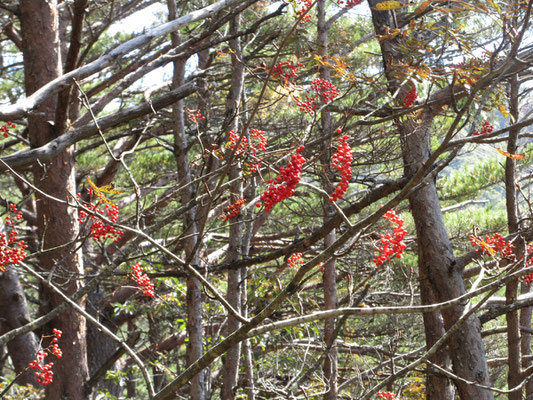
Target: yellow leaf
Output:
[(509, 155), (494, 5), (389, 5), (481, 243), (420, 9)]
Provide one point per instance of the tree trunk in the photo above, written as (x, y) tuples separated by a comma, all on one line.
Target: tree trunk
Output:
[(57, 223), (330, 274), (435, 255), (14, 313), (195, 347), (231, 122)]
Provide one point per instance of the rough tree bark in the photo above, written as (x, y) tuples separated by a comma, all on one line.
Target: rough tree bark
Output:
[(330, 275), (57, 223), (234, 292), (195, 347), (435, 254), (14, 313)]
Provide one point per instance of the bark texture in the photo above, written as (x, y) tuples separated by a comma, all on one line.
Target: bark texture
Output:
[(14, 314), (57, 223), (435, 255)]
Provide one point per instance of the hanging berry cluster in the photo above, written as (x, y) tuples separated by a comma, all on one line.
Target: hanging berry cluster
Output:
[(386, 396), (194, 116), (99, 229), (342, 160), (529, 263), (43, 372), (233, 210), (348, 3), (486, 128), (5, 128), (286, 71), (323, 90), (305, 5), (410, 97), (284, 185), (391, 245), (295, 260), (257, 142), (12, 250), (494, 245), (142, 280)]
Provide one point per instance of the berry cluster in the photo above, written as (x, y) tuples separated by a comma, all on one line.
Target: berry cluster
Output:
[(194, 116), (284, 185), (12, 250), (486, 128), (529, 277), (306, 5), (410, 97), (258, 141), (391, 245), (295, 260), (493, 245), (348, 3), (233, 210), (44, 373), (286, 71), (5, 128), (323, 89), (99, 229), (386, 396), (142, 280), (342, 160)]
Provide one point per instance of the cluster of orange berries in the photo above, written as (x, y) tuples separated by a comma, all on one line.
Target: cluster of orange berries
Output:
[(386, 396), (258, 141), (142, 280), (494, 244), (12, 250), (306, 5), (194, 116), (100, 230), (486, 128), (233, 210), (323, 89), (286, 70), (44, 373), (391, 245), (5, 128), (348, 3), (410, 97), (342, 160), (295, 260), (284, 185)]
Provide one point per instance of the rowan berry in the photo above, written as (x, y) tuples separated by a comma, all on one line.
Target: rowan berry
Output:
[(284, 185), (391, 246), (142, 280), (410, 97), (342, 160), (295, 260), (486, 128), (233, 210), (386, 396)]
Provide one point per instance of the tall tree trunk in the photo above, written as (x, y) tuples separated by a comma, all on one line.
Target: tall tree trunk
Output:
[(234, 293), (435, 254), (195, 347), (57, 223), (14, 313), (514, 376), (330, 275)]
